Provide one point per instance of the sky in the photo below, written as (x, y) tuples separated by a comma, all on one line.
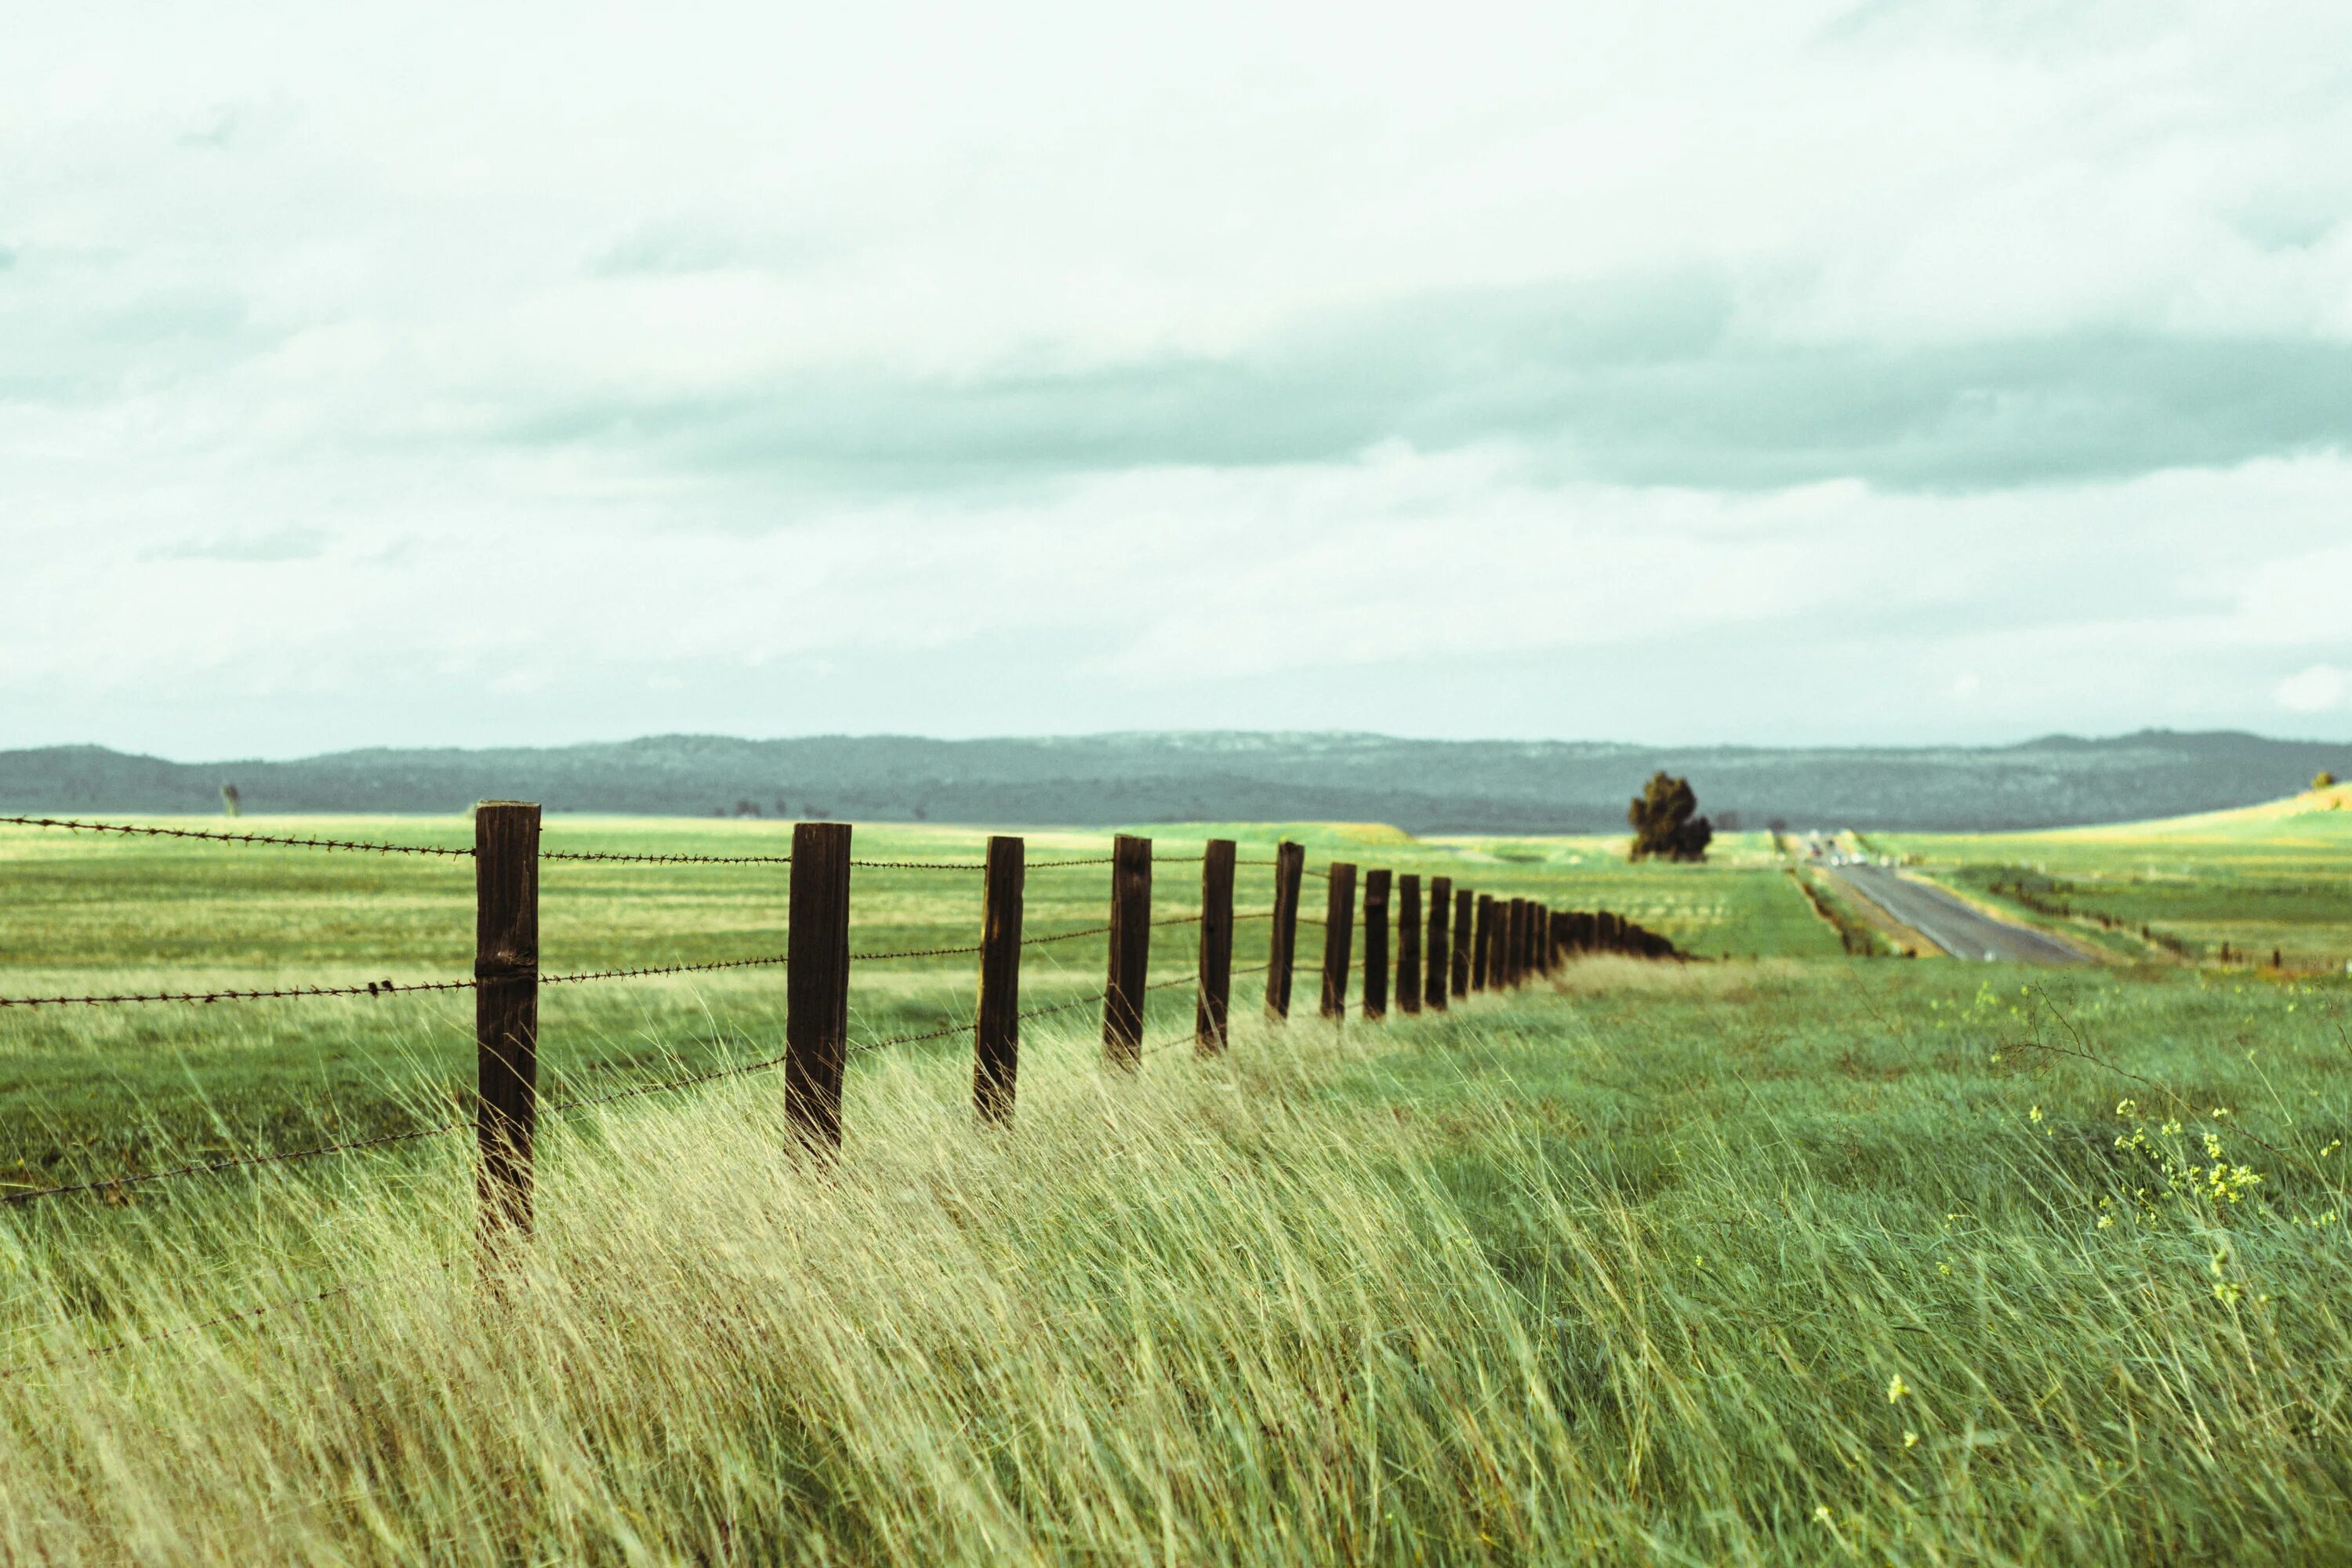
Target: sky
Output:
[(1761, 372)]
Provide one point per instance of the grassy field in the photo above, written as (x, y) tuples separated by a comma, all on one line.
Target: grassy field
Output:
[(1790, 1257), (2275, 879)]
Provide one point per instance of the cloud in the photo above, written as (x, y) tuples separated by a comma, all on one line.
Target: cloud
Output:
[(1050, 367), (2322, 689), (1614, 384)]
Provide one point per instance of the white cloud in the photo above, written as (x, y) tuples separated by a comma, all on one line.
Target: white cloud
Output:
[(2322, 689), (260, 396)]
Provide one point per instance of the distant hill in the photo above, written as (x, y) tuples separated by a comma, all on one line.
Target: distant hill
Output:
[(1424, 786)]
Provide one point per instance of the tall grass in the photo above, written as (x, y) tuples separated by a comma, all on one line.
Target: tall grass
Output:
[(1626, 1274)]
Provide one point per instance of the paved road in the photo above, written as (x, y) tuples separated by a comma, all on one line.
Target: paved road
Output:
[(1959, 929)]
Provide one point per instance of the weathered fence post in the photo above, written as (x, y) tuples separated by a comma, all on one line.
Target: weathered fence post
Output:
[(1515, 967), (1463, 946), (506, 1016), (1408, 968), (1482, 958), (1440, 957), (1338, 938), (816, 982), (1131, 950), (1281, 943), (1543, 930), (1375, 944), (1213, 1006), (996, 1032)]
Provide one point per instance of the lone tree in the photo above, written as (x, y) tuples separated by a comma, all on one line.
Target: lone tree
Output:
[(2325, 781), (1666, 824)]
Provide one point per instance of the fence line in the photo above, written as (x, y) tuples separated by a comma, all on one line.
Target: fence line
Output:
[(1513, 939)]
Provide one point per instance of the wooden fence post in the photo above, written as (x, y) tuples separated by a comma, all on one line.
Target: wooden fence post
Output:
[(1282, 943), (1482, 957), (1408, 968), (1131, 950), (1543, 939), (1463, 946), (1515, 965), (1440, 957), (996, 1032), (816, 982), (1375, 944), (506, 1016), (1213, 1006), (1338, 938)]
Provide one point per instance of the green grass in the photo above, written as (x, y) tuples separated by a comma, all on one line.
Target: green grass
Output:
[(1620, 1270), (2275, 878)]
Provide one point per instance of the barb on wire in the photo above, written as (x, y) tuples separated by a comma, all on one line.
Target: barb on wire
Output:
[(913, 952), (1060, 1006), (373, 988), (628, 860), (235, 1163), (216, 837), (1155, 1047), (972, 865), (1063, 936), (863, 1047), (570, 979), (134, 1342)]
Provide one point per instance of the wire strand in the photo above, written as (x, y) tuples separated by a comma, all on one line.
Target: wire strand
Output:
[(215, 837), (775, 961), (913, 952), (373, 988), (620, 859)]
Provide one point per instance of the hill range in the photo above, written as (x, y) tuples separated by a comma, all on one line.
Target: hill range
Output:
[(1423, 786)]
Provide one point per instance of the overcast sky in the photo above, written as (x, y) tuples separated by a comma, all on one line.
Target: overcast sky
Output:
[(1752, 372)]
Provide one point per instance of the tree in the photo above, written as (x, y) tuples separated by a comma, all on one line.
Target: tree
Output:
[(2325, 781), (232, 804), (1666, 823)]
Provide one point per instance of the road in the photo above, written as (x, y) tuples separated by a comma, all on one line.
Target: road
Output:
[(1959, 929)]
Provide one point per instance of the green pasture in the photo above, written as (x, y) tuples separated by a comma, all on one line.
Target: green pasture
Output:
[(2275, 878), (1784, 1257), (84, 1091)]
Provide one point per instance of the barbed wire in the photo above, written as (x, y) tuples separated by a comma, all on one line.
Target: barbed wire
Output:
[(215, 835), (569, 979), (624, 859), (1064, 936), (373, 988), (1155, 1047), (913, 952)]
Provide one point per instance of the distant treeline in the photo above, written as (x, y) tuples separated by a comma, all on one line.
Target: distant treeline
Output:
[(1423, 786)]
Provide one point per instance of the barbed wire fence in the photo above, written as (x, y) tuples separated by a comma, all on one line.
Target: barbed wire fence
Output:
[(1512, 941)]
